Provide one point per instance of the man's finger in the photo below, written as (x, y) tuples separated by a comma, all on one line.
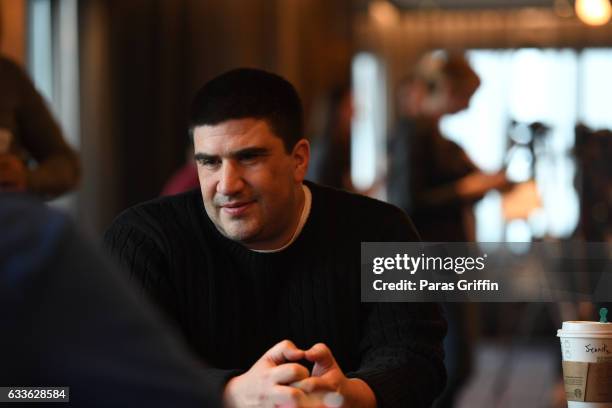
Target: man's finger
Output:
[(320, 354), (288, 373), (313, 384), (287, 396), (283, 352)]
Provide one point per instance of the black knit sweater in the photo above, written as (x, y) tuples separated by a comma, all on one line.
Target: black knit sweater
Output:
[(233, 304)]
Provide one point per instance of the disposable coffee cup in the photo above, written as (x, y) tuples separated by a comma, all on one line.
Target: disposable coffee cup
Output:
[(587, 363)]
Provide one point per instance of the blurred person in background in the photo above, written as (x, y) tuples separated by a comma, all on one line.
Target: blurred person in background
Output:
[(34, 157), (431, 177), (436, 183), (70, 319), (331, 150)]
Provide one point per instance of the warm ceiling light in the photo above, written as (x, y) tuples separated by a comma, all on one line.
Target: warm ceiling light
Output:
[(384, 12), (594, 12)]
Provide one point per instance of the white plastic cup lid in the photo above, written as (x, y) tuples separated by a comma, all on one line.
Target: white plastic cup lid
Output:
[(585, 329)]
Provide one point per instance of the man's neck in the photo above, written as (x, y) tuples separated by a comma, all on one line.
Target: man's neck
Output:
[(295, 225)]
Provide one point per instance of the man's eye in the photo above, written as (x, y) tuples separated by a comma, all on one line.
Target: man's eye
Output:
[(208, 162), (247, 159), (250, 158)]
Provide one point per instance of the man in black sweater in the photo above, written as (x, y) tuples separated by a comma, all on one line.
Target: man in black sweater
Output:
[(260, 270)]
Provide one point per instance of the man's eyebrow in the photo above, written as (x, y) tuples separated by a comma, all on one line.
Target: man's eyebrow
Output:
[(204, 156), (251, 151), (248, 151)]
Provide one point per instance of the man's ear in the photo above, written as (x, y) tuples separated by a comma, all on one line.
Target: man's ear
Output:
[(301, 157)]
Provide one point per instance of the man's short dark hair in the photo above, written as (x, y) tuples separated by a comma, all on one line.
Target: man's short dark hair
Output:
[(250, 93)]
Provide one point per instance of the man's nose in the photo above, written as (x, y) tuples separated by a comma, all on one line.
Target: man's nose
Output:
[(230, 179)]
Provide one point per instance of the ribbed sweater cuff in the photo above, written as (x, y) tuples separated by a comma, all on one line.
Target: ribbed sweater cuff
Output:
[(388, 386), (217, 377)]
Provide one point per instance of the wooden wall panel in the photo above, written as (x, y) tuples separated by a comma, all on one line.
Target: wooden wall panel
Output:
[(13, 29)]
